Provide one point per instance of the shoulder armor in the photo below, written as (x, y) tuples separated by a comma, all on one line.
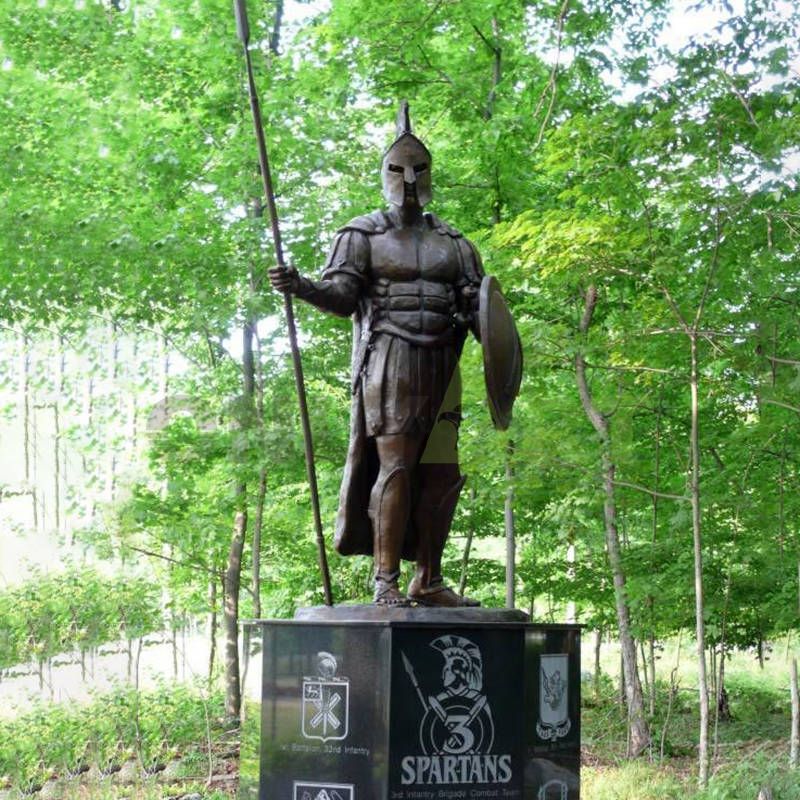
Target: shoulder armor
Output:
[(376, 222), (442, 228)]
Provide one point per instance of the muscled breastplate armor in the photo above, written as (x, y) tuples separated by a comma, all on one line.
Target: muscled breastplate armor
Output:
[(413, 288)]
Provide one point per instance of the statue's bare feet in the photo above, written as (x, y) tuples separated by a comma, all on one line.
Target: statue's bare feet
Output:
[(387, 592), (437, 594)]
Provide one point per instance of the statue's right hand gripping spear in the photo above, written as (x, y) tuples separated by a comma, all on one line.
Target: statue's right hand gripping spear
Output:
[(243, 31)]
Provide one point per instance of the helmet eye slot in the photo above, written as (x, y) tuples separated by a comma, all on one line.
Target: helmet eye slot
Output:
[(395, 168), (420, 168)]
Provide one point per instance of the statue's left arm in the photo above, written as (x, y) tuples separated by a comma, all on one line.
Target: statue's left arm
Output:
[(469, 284)]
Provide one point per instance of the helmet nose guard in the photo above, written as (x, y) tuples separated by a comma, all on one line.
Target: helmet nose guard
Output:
[(406, 162)]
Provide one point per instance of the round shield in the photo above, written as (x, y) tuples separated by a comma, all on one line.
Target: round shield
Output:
[(502, 352), (457, 725)]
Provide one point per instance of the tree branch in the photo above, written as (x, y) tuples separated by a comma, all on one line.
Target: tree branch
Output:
[(199, 566), (782, 405), (596, 417), (740, 97), (792, 362), (715, 255), (617, 368), (651, 492), (551, 83)]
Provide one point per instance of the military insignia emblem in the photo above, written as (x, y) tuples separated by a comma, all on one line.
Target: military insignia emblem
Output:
[(457, 720), (554, 722), (303, 790), (326, 703), (554, 790)]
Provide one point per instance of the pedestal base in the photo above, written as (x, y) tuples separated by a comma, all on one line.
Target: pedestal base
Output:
[(367, 703)]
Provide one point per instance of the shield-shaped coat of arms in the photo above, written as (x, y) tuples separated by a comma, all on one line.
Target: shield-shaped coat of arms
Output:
[(326, 703), (553, 722)]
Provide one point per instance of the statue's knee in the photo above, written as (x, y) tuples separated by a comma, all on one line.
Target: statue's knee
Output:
[(393, 482)]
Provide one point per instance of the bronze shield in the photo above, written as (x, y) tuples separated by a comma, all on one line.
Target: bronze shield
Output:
[(502, 352)]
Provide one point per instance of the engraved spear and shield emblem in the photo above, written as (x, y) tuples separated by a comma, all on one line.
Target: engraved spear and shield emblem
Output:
[(458, 720), (554, 722), (326, 702)]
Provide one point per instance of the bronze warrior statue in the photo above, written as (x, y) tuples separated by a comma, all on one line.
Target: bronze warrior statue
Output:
[(413, 286)]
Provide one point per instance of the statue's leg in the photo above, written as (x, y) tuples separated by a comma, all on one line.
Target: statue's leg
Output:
[(440, 486), (389, 509)]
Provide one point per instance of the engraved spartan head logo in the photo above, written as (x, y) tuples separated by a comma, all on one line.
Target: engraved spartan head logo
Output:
[(463, 664), (458, 719)]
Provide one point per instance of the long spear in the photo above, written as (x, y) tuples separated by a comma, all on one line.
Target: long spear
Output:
[(243, 31)]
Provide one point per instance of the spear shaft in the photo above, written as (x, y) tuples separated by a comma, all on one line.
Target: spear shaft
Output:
[(243, 31)]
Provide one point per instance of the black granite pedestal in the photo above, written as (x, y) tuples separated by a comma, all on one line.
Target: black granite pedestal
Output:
[(367, 703)]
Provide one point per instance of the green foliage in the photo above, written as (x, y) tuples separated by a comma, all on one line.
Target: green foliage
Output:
[(752, 752), (77, 609), (663, 176), (63, 740)]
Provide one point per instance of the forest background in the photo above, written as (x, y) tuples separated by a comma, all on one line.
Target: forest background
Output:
[(628, 171)]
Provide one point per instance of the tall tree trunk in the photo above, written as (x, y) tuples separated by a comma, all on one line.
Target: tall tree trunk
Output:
[(700, 631), (497, 73), (163, 377), (212, 628), (57, 478), (28, 434), (247, 415), (644, 677), (723, 713), (598, 641), (25, 402), (639, 729), (111, 470), (233, 574), (653, 538), (462, 583), (794, 752), (511, 544), (258, 523), (275, 35), (133, 408), (261, 494), (87, 466), (174, 643)]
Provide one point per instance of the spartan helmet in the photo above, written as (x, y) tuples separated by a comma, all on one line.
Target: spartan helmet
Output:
[(463, 664), (406, 169)]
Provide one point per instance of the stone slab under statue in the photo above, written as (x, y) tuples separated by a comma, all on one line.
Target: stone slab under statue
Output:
[(370, 703)]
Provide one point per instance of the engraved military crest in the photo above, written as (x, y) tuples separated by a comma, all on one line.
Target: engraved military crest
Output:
[(554, 722), (457, 720), (553, 790), (326, 703), (305, 790)]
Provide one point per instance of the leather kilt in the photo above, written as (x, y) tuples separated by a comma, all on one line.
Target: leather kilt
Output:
[(406, 387)]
